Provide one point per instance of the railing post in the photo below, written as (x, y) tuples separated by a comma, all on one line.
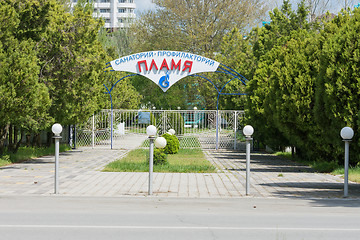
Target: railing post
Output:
[(164, 122), (112, 128), (93, 131), (235, 129), (217, 130)]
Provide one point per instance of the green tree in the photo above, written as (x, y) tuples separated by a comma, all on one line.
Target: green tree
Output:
[(116, 43), (338, 86), (72, 61), (196, 26), (24, 100), (236, 53), (124, 95), (292, 93), (263, 89)]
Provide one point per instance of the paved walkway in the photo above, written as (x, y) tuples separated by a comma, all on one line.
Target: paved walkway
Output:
[(80, 175)]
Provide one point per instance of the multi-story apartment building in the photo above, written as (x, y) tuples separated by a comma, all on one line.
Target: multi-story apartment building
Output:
[(116, 13)]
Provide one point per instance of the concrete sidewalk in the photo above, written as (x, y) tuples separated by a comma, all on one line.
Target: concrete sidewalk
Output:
[(80, 175)]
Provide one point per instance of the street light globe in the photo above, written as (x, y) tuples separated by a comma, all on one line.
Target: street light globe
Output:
[(248, 130), (151, 130), (347, 133), (195, 108), (160, 142), (172, 131), (56, 129)]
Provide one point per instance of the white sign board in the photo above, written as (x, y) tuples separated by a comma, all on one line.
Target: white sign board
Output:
[(164, 68)]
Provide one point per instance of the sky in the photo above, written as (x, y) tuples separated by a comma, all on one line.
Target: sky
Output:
[(335, 5), (142, 5)]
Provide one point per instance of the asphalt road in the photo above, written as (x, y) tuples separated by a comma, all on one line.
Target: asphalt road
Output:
[(59, 217)]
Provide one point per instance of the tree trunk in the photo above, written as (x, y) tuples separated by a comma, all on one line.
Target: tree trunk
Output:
[(10, 137), (18, 143), (28, 142), (4, 130), (36, 140)]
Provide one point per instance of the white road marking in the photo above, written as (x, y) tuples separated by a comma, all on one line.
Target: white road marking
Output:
[(180, 227)]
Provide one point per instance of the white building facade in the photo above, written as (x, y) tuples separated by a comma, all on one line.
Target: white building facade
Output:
[(116, 13)]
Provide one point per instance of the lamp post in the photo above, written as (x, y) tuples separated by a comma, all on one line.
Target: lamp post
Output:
[(56, 129), (347, 134), (248, 130), (160, 142), (151, 131)]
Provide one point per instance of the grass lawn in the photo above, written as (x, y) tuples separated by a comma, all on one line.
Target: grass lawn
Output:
[(326, 167), (185, 161), (26, 153), (354, 173)]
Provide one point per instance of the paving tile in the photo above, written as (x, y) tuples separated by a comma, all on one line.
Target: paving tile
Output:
[(80, 175)]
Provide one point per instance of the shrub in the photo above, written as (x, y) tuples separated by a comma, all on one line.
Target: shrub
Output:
[(324, 167), (160, 158), (172, 144), (5, 160)]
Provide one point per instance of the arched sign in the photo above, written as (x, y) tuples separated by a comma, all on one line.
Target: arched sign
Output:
[(164, 68)]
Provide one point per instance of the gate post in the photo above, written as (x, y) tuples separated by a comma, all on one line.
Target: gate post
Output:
[(112, 128), (235, 129), (217, 130), (93, 131), (164, 122)]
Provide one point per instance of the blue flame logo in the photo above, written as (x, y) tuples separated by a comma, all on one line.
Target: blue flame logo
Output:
[(164, 80)]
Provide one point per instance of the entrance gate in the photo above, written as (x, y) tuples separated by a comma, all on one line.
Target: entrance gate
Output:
[(194, 128)]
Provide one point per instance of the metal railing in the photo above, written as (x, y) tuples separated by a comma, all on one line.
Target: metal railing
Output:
[(207, 129)]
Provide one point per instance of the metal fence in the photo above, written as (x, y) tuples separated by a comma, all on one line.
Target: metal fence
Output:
[(207, 129)]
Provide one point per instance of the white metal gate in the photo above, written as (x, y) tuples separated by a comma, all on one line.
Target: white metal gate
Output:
[(194, 128)]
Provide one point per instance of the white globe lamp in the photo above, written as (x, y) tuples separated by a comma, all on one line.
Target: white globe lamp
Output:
[(172, 131), (160, 142), (248, 130), (56, 129), (151, 130), (347, 133)]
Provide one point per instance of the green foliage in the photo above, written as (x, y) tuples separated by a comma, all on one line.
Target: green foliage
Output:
[(5, 160), (337, 88), (197, 27), (69, 58), (24, 100), (172, 144), (236, 52), (324, 167), (153, 96), (305, 85), (354, 173), (124, 95), (51, 66), (281, 94), (160, 157), (27, 153)]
